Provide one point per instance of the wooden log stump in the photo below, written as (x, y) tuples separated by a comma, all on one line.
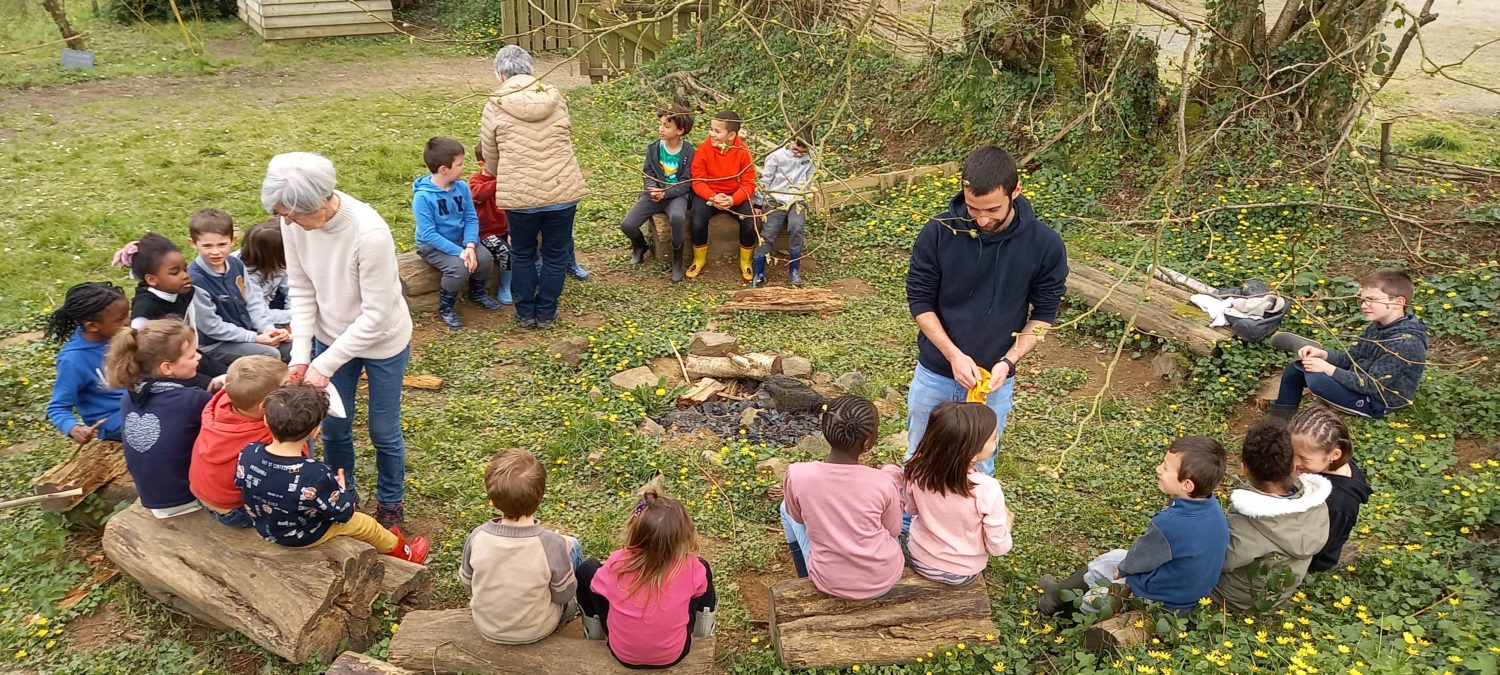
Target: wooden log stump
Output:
[(1118, 633), (405, 583), (417, 277), (89, 467), (723, 237), (754, 366), (813, 630), (785, 300), (1152, 316), (354, 663), (445, 641), (299, 603)]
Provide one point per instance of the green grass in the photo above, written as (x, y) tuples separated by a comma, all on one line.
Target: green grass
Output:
[(103, 170)]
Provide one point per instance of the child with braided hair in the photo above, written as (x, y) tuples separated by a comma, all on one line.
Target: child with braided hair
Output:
[(1321, 445), (841, 518), (91, 313)]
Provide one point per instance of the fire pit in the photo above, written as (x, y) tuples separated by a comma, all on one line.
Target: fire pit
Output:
[(785, 411)]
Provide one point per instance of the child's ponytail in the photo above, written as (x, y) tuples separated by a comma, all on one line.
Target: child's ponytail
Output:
[(135, 353), (83, 302)]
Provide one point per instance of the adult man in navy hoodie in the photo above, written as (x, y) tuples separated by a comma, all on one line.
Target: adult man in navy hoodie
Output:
[(986, 278)]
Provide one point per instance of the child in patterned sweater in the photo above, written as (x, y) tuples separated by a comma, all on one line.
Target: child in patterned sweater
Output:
[(296, 501)]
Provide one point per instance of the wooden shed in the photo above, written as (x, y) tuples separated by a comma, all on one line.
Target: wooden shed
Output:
[(298, 19)]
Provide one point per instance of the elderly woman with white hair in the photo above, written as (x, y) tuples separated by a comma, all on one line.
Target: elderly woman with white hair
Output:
[(348, 313), (526, 138)]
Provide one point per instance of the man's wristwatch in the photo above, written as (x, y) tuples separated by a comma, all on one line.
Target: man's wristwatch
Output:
[(1010, 364)]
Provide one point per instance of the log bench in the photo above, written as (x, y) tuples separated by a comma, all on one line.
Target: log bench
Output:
[(445, 641), (813, 630), (1154, 307), (723, 238), (303, 604)]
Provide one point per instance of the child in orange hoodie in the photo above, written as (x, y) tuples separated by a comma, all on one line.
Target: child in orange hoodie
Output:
[(233, 418), (494, 229), (723, 172)]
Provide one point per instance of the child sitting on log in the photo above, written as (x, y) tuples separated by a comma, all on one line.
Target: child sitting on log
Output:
[(296, 501), (650, 598), (161, 411), (1276, 525), (841, 518), (1321, 445), (520, 576), (91, 313), (448, 229), (234, 417), (165, 290), (1178, 560), (959, 517)]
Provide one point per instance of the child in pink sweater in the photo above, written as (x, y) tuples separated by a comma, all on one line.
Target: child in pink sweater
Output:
[(841, 517), (959, 518)]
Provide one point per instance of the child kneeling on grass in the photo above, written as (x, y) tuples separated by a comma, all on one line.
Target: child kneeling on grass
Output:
[(1276, 525), (520, 576), (840, 517), (1178, 560), (233, 418), (650, 598), (91, 314), (295, 501), (959, 517)]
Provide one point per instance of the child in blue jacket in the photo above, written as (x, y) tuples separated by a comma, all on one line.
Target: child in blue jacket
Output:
[(91, 313), (448, 229)]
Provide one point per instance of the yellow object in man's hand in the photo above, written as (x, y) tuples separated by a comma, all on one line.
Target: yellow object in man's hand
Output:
[(980, 392)]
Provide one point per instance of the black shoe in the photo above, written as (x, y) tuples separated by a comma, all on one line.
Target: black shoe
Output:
[(1281, 413), (677, 265), (446, 312), (758, 281), (544, 324), (526, 322), (478, 296), (638, 250), (390, 516)]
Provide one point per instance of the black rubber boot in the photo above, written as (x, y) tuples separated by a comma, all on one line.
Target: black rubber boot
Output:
[(1052, 603), (478, 296), (638, 249), (446, 312), (1281, 412), (677, 264)]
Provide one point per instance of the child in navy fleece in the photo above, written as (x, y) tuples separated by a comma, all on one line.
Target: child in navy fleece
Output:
[(161, 414), (448, 229), (91, 313), (1178, 559), (232, 319)]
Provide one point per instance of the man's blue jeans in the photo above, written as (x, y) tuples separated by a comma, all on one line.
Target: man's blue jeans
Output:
[(385, 377), (1294, 379), (550, 235), (928, 389)]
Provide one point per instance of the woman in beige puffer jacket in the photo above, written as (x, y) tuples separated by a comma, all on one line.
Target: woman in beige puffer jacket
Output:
[(526, 138)]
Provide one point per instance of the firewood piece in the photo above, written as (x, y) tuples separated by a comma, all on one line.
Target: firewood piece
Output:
[(405, 583), (445, 641), (295, 602), (422, 382), (813, 630), (1150, 316), (89, 467), (354, 663), (703, 390), (1118, 633), (754, 366), (785, 300), (417, 277)]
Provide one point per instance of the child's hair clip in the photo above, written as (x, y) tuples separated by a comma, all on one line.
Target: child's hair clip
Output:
[(125, 254), (639, 507)]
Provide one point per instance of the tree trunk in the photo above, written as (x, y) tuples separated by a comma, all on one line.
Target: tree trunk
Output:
[(785, 300), (55, 8), (354, 663), (300, 603), (741, 366), (1158, 316), (813, 630), (1027, 34), (446, 642)]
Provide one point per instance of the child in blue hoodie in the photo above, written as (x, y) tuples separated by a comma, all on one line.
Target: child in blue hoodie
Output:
[(448, 229), (91, 313)]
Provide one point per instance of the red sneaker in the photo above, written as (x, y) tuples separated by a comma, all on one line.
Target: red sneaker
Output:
[(414, 550)]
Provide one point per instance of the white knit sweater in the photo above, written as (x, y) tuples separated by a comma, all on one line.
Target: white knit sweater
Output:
[(344, 288)]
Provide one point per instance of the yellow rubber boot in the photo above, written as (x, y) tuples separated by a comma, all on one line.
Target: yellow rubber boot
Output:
[(745, 253), (700, 261)]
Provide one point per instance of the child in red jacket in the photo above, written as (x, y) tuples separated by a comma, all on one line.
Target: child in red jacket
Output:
[(233, 418), (723, 172), (494, 230)]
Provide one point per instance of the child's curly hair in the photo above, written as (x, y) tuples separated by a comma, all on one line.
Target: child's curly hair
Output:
[(1267, 453)]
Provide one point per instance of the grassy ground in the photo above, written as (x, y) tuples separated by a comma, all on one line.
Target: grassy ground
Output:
[(125, 156)]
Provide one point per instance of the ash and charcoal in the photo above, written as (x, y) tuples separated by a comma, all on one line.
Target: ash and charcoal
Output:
[(770, 423)]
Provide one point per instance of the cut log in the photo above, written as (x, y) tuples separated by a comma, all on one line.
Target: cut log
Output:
[(785, 300), (446, 642), (813, 630), (427, 303), (422, 382), (354, 663), (708, 343), (1150, 316), (1118, 633), (703, 390), (299, 603), (417, 277), (89, 467), (754, 366), (405, 583), (1156, 286)]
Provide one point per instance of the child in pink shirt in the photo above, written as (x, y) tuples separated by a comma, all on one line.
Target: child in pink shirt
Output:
[(959, 518), (650, 598), (841, 518)]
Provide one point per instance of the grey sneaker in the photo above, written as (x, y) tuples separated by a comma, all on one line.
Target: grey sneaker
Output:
[(390, 516)]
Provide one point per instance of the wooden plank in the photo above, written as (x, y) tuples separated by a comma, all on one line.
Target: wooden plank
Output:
[(611, 53), (508, 18), (335, 20), (333, 7), (535, 20), (306, 32)]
